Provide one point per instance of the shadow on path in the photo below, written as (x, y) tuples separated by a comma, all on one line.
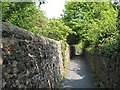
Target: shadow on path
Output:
[(78, 75)]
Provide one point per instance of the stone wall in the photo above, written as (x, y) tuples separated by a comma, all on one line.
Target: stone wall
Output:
[(29, 61), (67, 54), (106, 71)]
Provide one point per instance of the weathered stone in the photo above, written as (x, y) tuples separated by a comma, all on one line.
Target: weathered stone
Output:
[(105, 70), (30, 61)]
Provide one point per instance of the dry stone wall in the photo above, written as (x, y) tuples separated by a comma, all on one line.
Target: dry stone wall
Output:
[(106, 71), (67, 54), (29, 61)]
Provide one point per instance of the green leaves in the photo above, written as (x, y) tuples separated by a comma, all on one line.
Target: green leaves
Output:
[(57, 30), (94, 22), (25, 15)]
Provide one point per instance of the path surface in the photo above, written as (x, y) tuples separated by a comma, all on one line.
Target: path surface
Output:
[(78, 75), (0, 68)]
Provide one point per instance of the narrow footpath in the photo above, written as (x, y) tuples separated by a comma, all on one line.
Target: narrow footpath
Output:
[(78, 75), (0, 68)]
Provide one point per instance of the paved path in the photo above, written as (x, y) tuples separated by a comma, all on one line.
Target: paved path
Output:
[(0, 68), (78, 75)]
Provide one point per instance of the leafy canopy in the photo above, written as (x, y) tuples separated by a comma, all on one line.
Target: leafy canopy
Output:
[(23, 14), (56, 29), (94, 23)]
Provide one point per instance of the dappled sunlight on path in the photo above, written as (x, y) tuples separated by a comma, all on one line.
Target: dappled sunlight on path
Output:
[(78, 75)]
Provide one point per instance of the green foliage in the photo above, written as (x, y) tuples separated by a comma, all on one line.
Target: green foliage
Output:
[(63, 47), (23, 14), (27, 16), (118, 28), (56, 29), (0, 11), (95, 23)]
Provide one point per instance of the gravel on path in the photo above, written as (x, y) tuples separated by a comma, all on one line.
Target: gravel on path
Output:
[(78, 74), (0, 68)]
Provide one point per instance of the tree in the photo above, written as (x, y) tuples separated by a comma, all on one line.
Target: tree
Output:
[(118, 28), (23, 14), (56, 29), (94, 23)]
